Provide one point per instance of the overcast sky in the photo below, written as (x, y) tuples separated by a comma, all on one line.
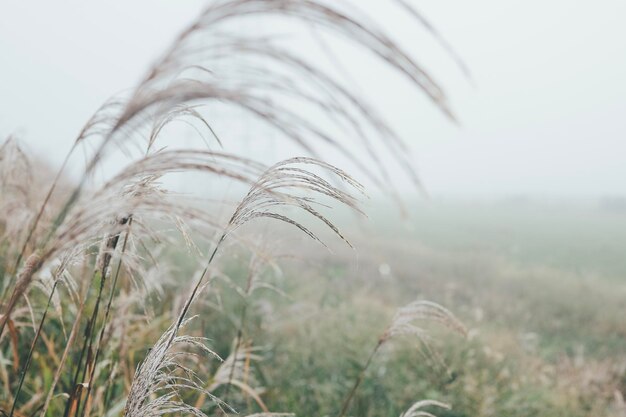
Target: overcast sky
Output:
[(545, 114)]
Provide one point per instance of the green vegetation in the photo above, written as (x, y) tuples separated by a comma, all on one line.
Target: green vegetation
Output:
[(543, 340), (121, 297)]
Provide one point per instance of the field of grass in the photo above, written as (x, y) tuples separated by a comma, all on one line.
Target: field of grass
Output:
[(121, 296), (546, 329), (540, 288)]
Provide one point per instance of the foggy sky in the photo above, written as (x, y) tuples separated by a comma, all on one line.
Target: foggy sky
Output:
[(544, 114)]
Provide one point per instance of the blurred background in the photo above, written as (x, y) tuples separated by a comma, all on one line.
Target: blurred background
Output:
[(542, 114), (522, 234)]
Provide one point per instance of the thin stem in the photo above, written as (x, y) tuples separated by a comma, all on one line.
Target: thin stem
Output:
[(185, 309), (236, 351), (242, 320), (106, 314), (89, 329), (82, 352), (70, 342), (32, 349), (359, 379)]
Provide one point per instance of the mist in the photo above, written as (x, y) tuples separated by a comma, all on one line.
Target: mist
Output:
[(541, 113), (271, 208)]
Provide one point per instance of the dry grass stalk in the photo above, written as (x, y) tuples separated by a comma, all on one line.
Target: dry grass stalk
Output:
[(403, 323), (162, 374), (190, 74), (274, 189)]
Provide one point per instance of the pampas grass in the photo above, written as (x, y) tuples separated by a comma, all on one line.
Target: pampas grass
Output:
[(163, 374), (82, 231), (404, 324)]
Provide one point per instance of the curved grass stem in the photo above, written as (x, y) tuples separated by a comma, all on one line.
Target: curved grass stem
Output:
[(359, 379), (31, 350)]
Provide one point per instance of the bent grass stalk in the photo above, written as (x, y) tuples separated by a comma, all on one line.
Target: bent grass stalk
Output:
[(66, 351), (357, 382), (106, 314), (32, 349), (165, 94), (73, 402), (403, 323), (242, 320)]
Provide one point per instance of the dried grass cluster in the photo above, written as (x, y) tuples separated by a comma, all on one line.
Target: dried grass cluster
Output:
[(86, 247)]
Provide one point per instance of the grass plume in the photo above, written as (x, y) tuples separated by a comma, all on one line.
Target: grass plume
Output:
[(81, 229)]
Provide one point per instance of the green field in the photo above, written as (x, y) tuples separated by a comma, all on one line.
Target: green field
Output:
[(541, 288)]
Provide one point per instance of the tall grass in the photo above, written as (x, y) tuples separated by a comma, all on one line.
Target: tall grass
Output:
[(77, 258)]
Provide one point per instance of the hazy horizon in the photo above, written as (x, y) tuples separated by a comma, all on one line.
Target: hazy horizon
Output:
[(542, 116)]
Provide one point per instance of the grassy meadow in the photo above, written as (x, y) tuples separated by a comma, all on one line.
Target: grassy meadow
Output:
[(120, 295), (539, 286), (544, 312)]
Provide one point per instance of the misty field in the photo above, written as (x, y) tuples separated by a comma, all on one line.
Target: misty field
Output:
[(539, 286), (168, 267)]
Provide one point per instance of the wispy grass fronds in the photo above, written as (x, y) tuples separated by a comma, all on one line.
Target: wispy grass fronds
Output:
[(275, 188), (403, 323), (198, 69), (159, 380), (17, 188), (267, 78), (24, 279), (272, 191), (212, 63), (135, 191)]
